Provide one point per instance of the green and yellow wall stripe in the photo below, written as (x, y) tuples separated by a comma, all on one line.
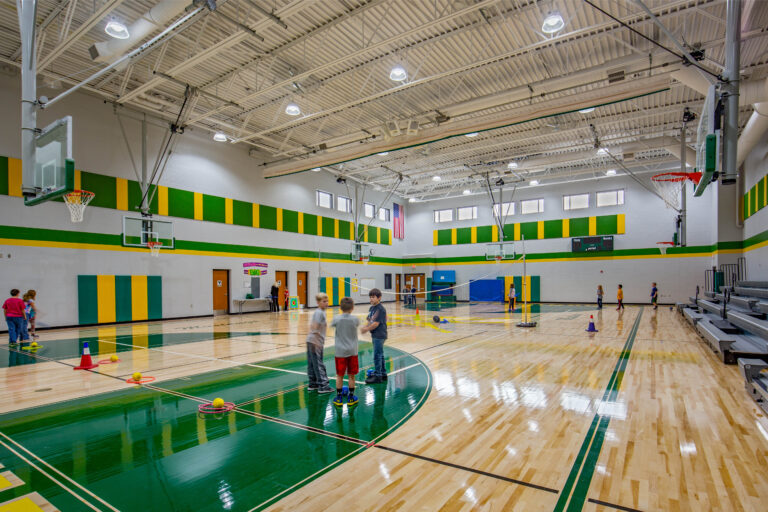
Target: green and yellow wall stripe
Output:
[(756, 198), (335, 287), (531, 292), (125, 195), (536, 230), (107, 298)]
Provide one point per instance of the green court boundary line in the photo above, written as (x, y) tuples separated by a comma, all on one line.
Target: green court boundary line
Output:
[(584, 466)]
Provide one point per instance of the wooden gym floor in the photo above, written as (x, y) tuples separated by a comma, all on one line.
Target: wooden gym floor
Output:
[(477, 414)]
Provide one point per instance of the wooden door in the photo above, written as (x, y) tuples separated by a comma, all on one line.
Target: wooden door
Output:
[(301, 287), (221, 291), (417, 281), (399, 290), (281, 276)]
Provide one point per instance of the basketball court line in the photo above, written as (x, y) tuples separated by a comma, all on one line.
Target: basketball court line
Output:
[(617, 507), (41, 460)]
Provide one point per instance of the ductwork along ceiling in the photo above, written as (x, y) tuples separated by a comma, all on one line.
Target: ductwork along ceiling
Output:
[(480, 66)]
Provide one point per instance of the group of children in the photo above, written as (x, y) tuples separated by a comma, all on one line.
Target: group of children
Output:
[(620, 297), (20, 316), (346, 355)]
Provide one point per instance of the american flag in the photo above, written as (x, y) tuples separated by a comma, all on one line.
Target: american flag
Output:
[(398, 221)]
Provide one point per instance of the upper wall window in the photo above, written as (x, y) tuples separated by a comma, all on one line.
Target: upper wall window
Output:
[(384, 214), (444, 215), (369, 210), (576, 202), (324, 199), (610, 198), (532, 206), (343, 204), (506, 210), (466, 212)]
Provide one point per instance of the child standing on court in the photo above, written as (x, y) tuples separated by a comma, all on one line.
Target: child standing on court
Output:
[(30, 310), (346, 351), (377, 326), (599, 296), (512, 297), (620, 298), (654, 296), (14, 317), (318, 377)]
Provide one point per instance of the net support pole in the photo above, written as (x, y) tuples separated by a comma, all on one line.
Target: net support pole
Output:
[(681, 237), (731, 75), (28, 95)]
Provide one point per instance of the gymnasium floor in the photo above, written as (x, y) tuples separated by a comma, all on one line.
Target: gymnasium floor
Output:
[(477, 414)]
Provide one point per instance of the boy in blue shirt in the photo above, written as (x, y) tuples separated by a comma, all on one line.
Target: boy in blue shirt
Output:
[(655, 296), (377, 326)]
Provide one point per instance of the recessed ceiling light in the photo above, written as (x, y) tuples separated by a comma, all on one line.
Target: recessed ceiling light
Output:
[(398, 74), (383, 153), (602, 152), (219, 137), (473, 134), (587, 110), (466, 192), (116, 29), (436, 178), (610, 172), (316, 169), (512, 165), (534, 183), (552, 23), (292, 109), (412, 200)]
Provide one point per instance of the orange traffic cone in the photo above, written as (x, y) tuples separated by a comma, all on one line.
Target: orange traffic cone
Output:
[(85, 361), (591, 327), (417, 312)]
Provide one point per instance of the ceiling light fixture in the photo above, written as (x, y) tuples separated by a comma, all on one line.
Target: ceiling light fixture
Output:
[(534, 183), (219, 137), (587, 110), (552, 23), (473, 134), (398, 74), (292, 109), (316, 169), (602, 152), (436, 178), (383, 153), (116, 29), (412, 200), (466, 192), (610, 172), (512, 165)]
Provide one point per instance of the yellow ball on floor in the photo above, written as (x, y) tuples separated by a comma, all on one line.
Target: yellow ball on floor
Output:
[(113, 358), (137, 376), (218, 403), (34, 344)]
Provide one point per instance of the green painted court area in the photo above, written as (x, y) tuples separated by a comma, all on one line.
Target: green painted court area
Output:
[(149, 448)]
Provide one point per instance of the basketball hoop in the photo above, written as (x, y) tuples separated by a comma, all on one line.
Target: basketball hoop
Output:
[(76, 201), (498, 259), (669, 185), (663, 246), (154, 248), (364, 259)]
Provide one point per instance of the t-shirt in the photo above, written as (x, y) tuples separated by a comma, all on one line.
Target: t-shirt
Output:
[(377, 313), (512, 292), (317, 328), (28, 308), (620, 294), (346, 334), (654, 291), (14, 307)]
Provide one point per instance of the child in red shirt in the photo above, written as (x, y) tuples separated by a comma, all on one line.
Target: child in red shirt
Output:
[(15, 318)]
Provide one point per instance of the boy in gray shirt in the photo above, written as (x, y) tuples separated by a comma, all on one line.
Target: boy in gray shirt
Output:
[(318, 378), (346, 350)]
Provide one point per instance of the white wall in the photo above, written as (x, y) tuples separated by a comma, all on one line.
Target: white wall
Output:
[(755, 167)]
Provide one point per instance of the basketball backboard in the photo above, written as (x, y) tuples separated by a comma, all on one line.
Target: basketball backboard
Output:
[(54, 173), (137, 231), (503, 250), (359, 251), (708, 140)]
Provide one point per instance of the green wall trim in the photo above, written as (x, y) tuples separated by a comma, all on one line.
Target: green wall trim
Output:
[(4, 175), (756, 198), (86, 299)]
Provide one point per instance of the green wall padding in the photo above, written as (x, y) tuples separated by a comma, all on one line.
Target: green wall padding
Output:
[(87, 303)]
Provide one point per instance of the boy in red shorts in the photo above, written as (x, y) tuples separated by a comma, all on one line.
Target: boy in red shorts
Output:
[(346, 350)]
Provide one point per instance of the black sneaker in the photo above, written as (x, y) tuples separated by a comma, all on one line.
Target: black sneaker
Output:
[(374, 379)]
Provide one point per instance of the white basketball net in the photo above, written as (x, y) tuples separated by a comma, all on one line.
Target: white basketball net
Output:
[(154, 248), (670, 192), (76, 201)]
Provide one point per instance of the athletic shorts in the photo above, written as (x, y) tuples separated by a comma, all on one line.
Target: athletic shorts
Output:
[(347, 365)]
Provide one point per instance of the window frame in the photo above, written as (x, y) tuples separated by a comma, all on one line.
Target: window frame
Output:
[(387, 216), (365, 210), (570, 197), (436, 215), (349, 204), (496, 209), (616, 190), (472, 208), (539, 206), (318, 192)]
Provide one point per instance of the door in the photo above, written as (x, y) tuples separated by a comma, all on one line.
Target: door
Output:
[(281, 276), (220, 291), (399, 290), (417, 281), (301, 287)]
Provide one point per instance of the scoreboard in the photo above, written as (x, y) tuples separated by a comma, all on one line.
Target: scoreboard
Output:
[(592, 243)]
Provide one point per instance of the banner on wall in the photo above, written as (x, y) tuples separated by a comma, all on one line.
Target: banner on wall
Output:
[(398, 221), (254, 268)]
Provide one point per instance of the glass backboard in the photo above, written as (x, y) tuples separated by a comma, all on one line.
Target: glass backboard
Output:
[(137, 231), (54, 173)]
